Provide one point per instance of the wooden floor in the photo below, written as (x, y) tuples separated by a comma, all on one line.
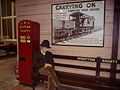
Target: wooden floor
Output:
[(44, 87), (8, 79), (7, 75)]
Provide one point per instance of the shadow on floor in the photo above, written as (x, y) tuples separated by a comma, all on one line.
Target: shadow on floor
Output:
[(5, 56)]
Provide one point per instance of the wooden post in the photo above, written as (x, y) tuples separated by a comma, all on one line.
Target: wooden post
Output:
[(98, 62), (115, 37)]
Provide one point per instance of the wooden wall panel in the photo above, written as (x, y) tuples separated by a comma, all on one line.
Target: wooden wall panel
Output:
[(34, 7), (40, 11), (79, 51), (36, 2), (108, 29), (107, 42), (110, 4), (45, 37), (90, 54), (35, 12)]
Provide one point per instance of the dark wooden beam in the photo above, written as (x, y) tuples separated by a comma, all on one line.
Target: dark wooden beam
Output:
[(98, 59), (75, 66), (115, 39)]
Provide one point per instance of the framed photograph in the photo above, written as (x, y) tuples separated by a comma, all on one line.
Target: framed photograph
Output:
[(78, 23)]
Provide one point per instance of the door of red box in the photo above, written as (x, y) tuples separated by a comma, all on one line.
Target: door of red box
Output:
[(28, 43)]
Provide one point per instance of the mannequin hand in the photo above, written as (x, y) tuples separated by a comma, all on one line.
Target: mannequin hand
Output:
[(48, 65)]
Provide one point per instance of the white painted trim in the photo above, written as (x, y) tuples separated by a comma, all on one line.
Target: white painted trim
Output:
[(8, 17), (13, 36), (10, 40), (1, 20)]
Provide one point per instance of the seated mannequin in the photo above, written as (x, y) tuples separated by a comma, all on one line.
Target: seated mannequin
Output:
[(44, 63)]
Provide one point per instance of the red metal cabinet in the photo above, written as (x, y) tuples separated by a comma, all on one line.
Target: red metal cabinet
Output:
[(28, 43)]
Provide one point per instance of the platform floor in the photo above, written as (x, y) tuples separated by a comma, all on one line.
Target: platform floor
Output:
[(8, 79), (44, 87), (7, 75)]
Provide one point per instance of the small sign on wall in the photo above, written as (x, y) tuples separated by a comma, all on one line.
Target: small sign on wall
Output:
[(78, 23)]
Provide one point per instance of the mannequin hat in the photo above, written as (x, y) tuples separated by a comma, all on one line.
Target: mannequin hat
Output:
[(46, 44)]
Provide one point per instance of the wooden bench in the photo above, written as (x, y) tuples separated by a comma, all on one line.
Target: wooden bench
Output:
[(93, 82), (7, 48)]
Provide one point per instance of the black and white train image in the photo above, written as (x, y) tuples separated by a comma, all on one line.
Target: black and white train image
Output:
[(77, 25)]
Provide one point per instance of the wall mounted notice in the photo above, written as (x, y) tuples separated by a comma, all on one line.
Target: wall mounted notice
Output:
[(78, 23)]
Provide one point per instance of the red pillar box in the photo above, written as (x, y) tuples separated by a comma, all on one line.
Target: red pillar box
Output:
[(28, 43)]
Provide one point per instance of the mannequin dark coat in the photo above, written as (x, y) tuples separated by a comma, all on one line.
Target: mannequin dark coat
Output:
[(39, 59)]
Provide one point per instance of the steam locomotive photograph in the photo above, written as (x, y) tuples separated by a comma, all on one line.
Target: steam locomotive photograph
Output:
[(77, 25)]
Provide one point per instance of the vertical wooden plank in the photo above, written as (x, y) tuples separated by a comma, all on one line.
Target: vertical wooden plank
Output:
[(115, 38), (98, 62)]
